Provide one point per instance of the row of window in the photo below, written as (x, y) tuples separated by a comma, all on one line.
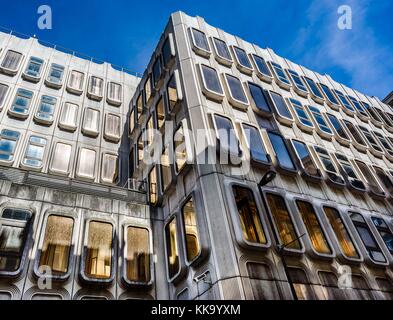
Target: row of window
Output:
[(61, 158), (57, 241), (286, 79), (55, 78), (287, 233), (21, 107)]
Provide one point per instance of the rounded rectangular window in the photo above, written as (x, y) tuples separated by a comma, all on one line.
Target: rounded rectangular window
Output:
[(193, 247), (98, 257), (112, 127), (137, 255), (86, 163), (304, 122), (281, 77), (91, 122), (199, 42), (55, 76), (338, 128), (55, 252), (345, 241), (249, 215), (14, 229), (259, 99), (283, 156), (20, 107), (255, 144), (371, 180), (363, 115), (46, 109), (306, 159), (242, 61), (320, 122), (348, 109), (357, 138), (69, 116), (160, 113), (153, 187), (315, 232), (300, 87), (329, 95), (109, 168), (179, 142), (281, 106), (173, 92), (3, 93), (172, 249), (75, 82), (95, 88), (384, 232), (238, 97), (211, 85), (114, 93), (61, 158), (11, 61), (227, 138), (262, 68), (35, 150), (222, 52), (166, 173), (285, 228), (315, 92)]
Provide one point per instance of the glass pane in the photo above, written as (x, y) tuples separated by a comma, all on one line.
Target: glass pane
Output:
[(281, 151), (257, 149), (281, 105), (261, 65), (166, 51), (61, 157), (109, 170), (337, 126), (55, 73), (236, 89), (57, 244), (242, 58), (191, 230), (354, 132), (166, 175), (98, 261), (370, 179), (160, 113), (222, 49), (153, 186), (172, 248), (138, 255), (180, 149), (200, 39), (227, 137), (114, 91), (86, 165), (95, 86), (249, 215), (11, 60), (314, 229), (69, 115), (172, 92), (314, 88), (305, 158), (259, 97), (91, 120), (280, 73), (211, 80), (283, 222), (112, 125), (328, 93)]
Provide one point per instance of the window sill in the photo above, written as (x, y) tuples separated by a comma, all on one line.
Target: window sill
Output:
[(17, 114), (9, 72), (74, 90), (67, 127), (53, 85), (43, 121), (115, 103), (94, 96), (31, 78)]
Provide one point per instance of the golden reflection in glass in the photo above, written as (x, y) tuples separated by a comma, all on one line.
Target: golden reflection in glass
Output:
[(190, 227), (99, 250), (55, 250), (160, 113), (343, 237), (153, 186), (172, 248), (137, 255), (250, 220)]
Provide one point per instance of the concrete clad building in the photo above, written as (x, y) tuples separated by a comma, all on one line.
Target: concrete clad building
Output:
[(225, 172)]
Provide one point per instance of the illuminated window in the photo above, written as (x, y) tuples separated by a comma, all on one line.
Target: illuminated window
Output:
[(306, 159), (259, 98), (193, 247), (255, 144), (320, 122), (69, 116), (313, 226), (61, 158), (86, 163), (109, 168), (46, 109), (242, 61), (352, 177), (249, 215), (344, 101), (76, 81), (153, 195), (166, 175), (95, 88), (280, 74), (21, 105), (137, 255), (298, 82), (91, 122), (236, 91), (280, 105), (315, 92), (55, 75), (367, 237), (285, 227), (8, 143), (56, 247), (160, 113), (384, 232), (222, 52), (114, 93), (199, 41), (35, 151), (11, 61), (98, 258), (172, 249), (112, 127), (301, 114), (300, 283), (283, 156), (14, 229), (371, 180), (179, 142), (344, 239), (33, 69)]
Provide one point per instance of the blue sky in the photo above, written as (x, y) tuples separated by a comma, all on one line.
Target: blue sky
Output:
[(125, 32)]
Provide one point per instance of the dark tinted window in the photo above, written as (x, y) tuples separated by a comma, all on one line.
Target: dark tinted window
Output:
[(212, 81), (242, 57), (281, 106), (261, 65), (200, 39), (313, 87), (222, 49), (280, 149), (258, 95), (305, 158), (254, 139)]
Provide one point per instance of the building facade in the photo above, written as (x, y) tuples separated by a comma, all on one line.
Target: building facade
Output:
[(225, 172)]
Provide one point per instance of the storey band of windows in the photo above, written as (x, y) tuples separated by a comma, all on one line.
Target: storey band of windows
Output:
[(56, 76), (57, 243)]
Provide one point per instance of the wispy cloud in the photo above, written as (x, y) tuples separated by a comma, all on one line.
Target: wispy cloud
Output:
[(358, 52)]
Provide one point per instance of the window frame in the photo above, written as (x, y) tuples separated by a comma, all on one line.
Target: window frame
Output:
[(188, 147), (388, 152), (17, 137), (172, 52), (111, 101), (109, 136), (157, 194), (332, 104), (381, 229), (281, 118), (343, 141), (248, 70), (30, 77), (170, 219), (89, 131), (216, 96), (303, 170), (323, 134), (94, 96), (72, 248), (334, 178), (166, 187), (199, 50), (256, 109), (53, 155), (78, 91), (179, 92), (52, 84), (83, 176), (124, 248), (104, 181), (276, 233), (360, 147), (44, 155), (26, 94), (375, 119), (361, 113), (351, 181), (8, 71), (40, 119), (223, 60), (235, 217), (344, 106), (114, 257), (282, 84), (377, 153), (3, 102), (291, 74), (28, 229), (278, 165), (317, 98), (298, 120), (370, 189), (261, 75), (232, 100), (387, 119), (68, 126), (374, 168)]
